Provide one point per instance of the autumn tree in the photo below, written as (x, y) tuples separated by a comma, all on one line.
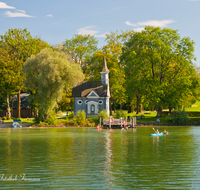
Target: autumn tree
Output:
[(48, 74)]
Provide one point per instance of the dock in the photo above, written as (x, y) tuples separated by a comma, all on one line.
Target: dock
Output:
[(112, 123)]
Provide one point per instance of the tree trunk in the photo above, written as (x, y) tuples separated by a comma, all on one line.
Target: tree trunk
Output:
[(159, 111), (114, 105), (170, 109), (110, 106), (139, 106), (120, 106), (129, 105), (12, 107), (18, 104), (8, 106)]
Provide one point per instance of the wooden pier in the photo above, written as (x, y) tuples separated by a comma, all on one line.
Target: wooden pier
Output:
[(112, 123)]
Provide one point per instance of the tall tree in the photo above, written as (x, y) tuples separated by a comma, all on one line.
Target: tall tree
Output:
[(20, 45), (81, 47), (9, 77), (159, 62), (48, 74), (112, 51)]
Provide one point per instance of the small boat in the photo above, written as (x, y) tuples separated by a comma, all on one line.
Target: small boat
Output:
[(157, 134)]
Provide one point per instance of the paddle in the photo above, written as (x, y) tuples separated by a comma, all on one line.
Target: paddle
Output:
[(154, 130)]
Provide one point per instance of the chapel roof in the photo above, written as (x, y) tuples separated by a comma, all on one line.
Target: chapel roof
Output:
[(84, 88)]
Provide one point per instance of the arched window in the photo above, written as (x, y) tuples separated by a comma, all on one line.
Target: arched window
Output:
[(92, 108)]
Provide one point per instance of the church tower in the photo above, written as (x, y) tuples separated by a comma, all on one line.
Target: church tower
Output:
[(104, 73), (105, 81)]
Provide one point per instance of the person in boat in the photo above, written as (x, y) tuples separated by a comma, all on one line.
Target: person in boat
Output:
[(165, 132), (157, 131)]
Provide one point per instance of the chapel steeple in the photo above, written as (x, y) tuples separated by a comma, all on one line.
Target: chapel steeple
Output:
[(104, 73)]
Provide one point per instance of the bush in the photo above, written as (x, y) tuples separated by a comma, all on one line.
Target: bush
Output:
[(179, 117), (71, 122), (194, 113), (4, 118), (81, 117), (103, 114), (51, 120), (120, 113)]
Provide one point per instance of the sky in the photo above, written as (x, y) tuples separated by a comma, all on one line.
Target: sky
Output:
[(56, 20)]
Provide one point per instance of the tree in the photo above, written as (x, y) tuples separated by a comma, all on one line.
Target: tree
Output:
[(48, 74), (20, 45), (158, 64), (9, 75), (112, 51), (81, 47)]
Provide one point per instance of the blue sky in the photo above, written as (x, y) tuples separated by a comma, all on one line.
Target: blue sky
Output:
[(55, 20)]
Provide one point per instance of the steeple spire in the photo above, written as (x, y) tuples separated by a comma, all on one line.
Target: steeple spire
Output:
[(104, 66)]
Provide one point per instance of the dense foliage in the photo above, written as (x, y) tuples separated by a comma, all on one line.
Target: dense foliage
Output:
[(152, 69), (48, 74), (159, 69), (179, 117)]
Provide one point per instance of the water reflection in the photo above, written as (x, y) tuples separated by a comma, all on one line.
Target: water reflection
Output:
[(90, 159)]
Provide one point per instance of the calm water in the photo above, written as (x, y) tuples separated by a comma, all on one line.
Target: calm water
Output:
[(84, 158)]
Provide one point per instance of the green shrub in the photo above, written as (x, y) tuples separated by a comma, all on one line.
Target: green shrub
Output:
[(71, 122), (103, 114), (120, 113), (81, 117), (4, 118), (90, 124), (51, 120), (179, 117), (194, 113)]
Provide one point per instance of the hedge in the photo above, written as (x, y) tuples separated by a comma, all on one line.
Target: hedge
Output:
[(191, 113)]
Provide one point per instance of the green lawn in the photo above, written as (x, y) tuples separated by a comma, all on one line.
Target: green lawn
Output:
[(195, 107)]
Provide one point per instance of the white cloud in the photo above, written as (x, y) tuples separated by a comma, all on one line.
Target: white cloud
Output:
[(130, 24), (160, 23), (155, 23), (22, 11), (87, 30), (49, 15), (17, 14), (4, 6)]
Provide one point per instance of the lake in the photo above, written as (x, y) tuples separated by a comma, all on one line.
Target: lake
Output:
[(84, 158)]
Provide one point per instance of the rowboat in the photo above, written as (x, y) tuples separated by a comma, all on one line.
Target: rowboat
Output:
[(157, 134)]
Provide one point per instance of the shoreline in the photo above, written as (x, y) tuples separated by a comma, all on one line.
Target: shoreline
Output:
[(139, 124)]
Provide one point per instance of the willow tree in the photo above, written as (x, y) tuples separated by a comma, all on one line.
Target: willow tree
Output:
[(158, 64), (48, 74), (20, 45)]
